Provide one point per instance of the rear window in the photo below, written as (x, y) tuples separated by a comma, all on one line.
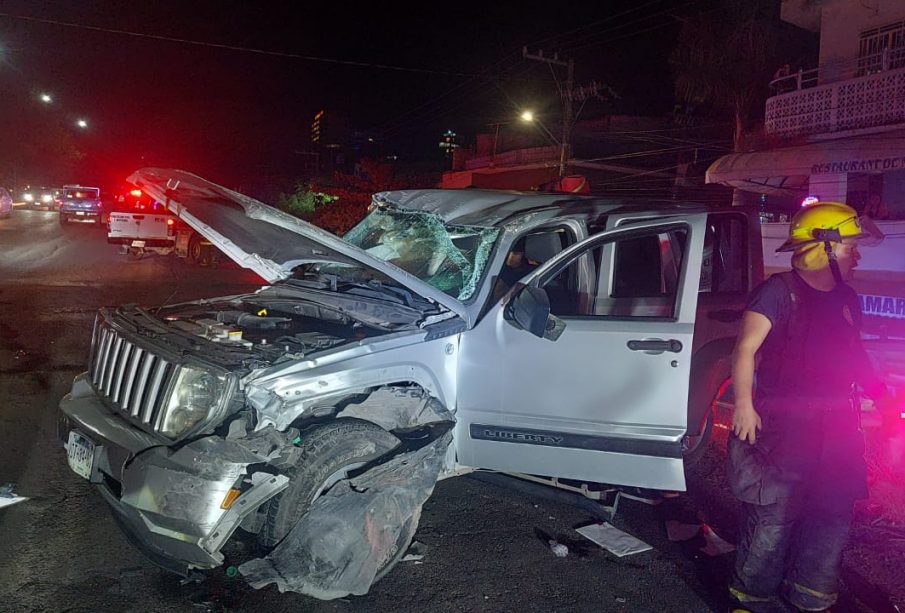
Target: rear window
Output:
[(81, 193)]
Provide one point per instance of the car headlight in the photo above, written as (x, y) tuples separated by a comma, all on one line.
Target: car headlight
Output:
[(195, 394), (45, 198), (28, 198)]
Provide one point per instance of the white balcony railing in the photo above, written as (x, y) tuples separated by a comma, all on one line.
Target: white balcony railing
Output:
[(863, 93)]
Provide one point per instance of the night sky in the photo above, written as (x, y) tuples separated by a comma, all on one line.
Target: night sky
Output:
[(226, 113)]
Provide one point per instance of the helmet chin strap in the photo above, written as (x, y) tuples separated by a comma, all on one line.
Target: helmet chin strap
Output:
[(834, 265)]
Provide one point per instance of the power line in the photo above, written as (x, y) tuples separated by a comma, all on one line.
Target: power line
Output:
[(198, 43), (536, 43)]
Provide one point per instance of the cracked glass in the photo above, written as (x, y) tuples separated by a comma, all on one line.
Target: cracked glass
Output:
[(450, 258)]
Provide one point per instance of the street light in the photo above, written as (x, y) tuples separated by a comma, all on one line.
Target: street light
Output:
[(528, 117), (46, 98), (82, 123)]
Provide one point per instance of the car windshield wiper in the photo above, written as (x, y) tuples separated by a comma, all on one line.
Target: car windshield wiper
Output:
[(370, 288), (378, 289)]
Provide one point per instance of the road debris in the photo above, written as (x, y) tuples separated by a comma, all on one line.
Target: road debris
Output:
[(415, 553), (678, 532), (613, 539), (713, 544), (8, 496), (558, 549)]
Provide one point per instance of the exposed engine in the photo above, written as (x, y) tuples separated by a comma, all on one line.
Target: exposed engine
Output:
[(270, 336)]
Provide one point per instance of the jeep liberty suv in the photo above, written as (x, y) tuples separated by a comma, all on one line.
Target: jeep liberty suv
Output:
[(318, 412)]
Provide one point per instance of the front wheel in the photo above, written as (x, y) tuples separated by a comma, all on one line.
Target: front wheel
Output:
[(328, 454)]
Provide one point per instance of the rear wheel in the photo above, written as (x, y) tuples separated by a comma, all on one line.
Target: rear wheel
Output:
[(195, 252), (694, 445), (699, 434), (328, 454)]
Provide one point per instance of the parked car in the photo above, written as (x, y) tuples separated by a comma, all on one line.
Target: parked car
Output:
[(81, 204), (41, 198), (6, 203), (318, 412)]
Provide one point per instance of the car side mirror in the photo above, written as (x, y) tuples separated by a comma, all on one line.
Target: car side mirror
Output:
[(530, 308)]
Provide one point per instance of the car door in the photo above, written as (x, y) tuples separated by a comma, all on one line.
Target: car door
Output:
[(606, 401)]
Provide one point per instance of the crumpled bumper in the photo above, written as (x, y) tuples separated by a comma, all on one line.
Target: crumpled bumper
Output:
[(169, 500)]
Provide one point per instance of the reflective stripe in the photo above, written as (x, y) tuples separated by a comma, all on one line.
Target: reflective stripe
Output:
[(743, 597), (821, 600)]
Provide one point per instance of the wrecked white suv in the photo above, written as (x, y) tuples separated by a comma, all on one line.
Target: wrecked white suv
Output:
[(318, 412)]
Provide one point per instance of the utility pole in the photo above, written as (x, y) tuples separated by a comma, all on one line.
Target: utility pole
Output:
[(565, 93)]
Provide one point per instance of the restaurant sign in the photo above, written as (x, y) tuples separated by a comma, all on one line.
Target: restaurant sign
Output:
[(895, 162)]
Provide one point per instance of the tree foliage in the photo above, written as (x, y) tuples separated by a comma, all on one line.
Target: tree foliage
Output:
[(724, 59), (340, 203)]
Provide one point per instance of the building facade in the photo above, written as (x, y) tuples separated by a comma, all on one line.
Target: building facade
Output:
[(835, 131)]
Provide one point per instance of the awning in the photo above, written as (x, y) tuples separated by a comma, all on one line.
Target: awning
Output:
[(786, 170)]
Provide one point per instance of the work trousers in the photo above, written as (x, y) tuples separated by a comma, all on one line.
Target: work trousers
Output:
[(797, 487)]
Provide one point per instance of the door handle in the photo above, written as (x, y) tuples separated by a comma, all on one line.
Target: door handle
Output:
[(656, 345)]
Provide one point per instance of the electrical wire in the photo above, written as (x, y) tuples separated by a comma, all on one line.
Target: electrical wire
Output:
[(198, 43)]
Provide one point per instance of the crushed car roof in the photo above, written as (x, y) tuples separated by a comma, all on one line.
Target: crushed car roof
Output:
[(476, 207)]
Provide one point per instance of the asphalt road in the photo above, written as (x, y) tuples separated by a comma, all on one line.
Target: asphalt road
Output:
[(60, 550)]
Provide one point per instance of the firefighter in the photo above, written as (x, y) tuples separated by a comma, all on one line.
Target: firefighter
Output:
[(796, 457)]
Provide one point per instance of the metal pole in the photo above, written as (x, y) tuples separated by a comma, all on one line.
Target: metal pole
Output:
[(567, 120)]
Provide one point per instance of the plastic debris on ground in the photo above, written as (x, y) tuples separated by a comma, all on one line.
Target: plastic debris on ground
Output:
[(713, 544), (558, 549), (350, 533), (678, 532), (415, 553), (613, 539), (8, 495)]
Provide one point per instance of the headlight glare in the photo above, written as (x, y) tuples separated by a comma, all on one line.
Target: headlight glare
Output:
[(195, 394)]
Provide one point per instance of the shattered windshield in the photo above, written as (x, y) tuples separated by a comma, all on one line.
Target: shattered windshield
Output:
[(448, 257)]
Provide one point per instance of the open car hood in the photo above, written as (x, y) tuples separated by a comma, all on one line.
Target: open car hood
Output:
[(262, 238)]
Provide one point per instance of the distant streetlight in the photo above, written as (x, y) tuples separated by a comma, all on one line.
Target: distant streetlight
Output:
[(528, 117), (82, 123), (46, 98)]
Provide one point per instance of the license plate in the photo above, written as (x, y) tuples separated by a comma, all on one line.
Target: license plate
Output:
[(138, 243), (80, 212), (80, 452)]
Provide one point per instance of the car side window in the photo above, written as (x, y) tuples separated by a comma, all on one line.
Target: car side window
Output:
[(635, 277), (725, 268), (529, 252)]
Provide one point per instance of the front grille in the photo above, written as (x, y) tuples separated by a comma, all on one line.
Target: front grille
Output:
[(131, 378)]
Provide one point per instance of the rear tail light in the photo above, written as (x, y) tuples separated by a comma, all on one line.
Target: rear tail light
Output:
[(171, 227)]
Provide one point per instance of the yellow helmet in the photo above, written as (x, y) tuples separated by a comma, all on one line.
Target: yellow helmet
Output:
[(820, 223), (823, 221)]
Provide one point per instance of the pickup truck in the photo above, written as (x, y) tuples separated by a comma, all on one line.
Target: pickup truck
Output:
[(80, 204), (142, 225), (316, 414)]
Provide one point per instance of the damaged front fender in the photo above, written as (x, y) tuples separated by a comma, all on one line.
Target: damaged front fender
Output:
[(174, 502), (356, 531)]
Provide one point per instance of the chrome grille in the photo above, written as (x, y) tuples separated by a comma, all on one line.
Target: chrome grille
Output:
[(130, 377)]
